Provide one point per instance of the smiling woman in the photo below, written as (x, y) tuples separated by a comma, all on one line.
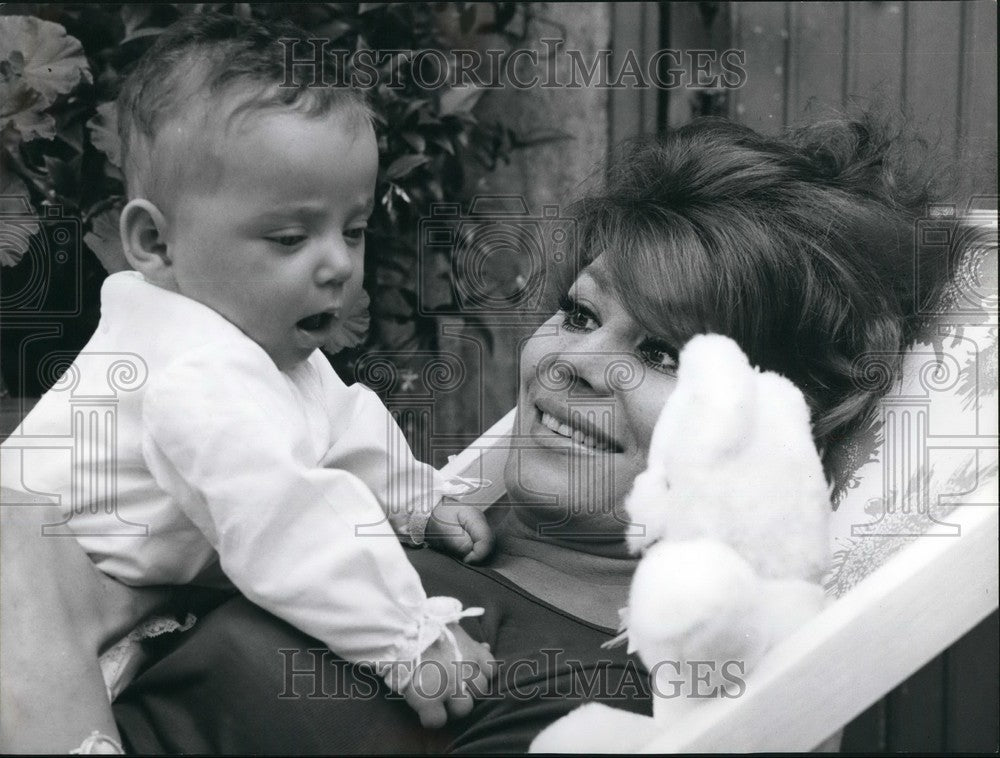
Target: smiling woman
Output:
[(591, 388), (799, 249)]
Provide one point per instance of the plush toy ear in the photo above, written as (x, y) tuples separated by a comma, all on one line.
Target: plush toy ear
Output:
[(783, 405), (707, 418), (711, 411)]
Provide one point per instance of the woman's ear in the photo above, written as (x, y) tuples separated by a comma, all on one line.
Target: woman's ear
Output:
[(143, 233)]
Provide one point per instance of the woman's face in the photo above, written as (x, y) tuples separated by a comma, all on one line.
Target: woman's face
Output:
[(592, 383)]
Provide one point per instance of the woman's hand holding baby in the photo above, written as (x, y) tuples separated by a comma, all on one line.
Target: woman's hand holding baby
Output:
[(440, 687), (461, 530)]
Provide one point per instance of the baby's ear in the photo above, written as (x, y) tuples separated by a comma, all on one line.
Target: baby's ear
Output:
[(143, 230)]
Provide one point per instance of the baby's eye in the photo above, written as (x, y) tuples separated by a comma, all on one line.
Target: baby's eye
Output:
[(658, 355), (576, 317), (287, 240), (356, 234)]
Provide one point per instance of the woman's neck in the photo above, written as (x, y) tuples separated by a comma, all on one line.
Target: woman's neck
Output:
[(599, 558), (588, 580)]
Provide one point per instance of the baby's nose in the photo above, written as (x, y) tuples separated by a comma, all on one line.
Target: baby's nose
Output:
[(335, 265)]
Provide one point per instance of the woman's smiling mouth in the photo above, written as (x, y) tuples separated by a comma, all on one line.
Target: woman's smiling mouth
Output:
[(580, 431)]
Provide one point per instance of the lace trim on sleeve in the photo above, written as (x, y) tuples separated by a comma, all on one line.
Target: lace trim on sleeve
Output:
[(454, 486), (436, 614)]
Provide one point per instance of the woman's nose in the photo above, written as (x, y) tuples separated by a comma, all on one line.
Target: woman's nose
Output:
[(335, 265), (588, 365)]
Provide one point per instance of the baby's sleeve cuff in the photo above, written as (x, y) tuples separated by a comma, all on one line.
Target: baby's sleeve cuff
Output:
[(454, 486), (435, 616)]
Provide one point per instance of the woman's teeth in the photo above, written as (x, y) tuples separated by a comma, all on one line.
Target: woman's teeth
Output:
[(576, 435)]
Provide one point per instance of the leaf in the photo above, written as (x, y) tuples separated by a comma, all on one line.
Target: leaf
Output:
[(26, 113), (427, 119), (404, 165), (105, 242), (459, 99), (64, 176), (134, 17), (15, 238), (445, 144), (539, 137), (414, 105), (53, 61), (103, 129), (416, 141), (390, 303), (69, 129), (467, 17)]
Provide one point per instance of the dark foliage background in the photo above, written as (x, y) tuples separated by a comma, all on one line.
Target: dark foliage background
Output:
[(61, 66)]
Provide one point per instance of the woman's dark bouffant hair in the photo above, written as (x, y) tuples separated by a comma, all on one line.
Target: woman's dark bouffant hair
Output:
[(800, 247)]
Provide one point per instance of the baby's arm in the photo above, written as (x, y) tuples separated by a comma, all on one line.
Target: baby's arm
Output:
[(371, 445), (309, 544), (368, 443), (460, 529)]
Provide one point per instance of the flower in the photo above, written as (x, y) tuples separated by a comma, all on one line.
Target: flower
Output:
[(352, 329)]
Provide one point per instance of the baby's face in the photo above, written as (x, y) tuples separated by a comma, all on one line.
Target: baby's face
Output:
[(275, 242)]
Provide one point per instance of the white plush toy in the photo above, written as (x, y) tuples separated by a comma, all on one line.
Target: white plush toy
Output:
[(735, 511)]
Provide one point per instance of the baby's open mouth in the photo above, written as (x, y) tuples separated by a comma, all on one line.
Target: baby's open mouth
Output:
[(317, 322)]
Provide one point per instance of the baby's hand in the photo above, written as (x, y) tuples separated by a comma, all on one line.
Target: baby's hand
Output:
[(440, 684), (460, 529)]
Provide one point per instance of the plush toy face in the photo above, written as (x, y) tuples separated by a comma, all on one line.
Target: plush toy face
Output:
[(747, 473), (592, 383)]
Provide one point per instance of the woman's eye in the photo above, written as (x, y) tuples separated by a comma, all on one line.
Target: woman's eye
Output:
[(659, 356), (287, 240), (576, 317), (356, 234)]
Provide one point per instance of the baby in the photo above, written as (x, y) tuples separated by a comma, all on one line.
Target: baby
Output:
[(243, 451)]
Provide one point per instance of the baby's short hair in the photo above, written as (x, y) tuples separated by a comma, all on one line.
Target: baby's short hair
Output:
[(205, 56)]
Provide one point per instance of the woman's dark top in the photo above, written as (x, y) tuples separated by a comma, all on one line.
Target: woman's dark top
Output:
[(242, 681)]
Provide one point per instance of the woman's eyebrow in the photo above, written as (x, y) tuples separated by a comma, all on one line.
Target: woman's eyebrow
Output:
[(599, 276)]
